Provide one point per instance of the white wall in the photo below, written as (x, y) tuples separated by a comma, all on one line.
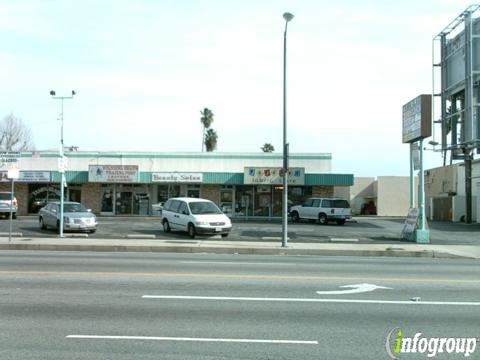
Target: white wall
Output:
[(393, 195), (362, 191), (203, 162)]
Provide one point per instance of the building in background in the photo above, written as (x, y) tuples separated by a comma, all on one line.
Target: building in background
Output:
[(445, 192), (382, 196), (137, 183)]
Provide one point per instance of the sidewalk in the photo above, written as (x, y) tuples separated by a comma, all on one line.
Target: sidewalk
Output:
[(240, 247)]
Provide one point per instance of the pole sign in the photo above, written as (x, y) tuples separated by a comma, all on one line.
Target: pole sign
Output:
[(415, 150), (417, 119)]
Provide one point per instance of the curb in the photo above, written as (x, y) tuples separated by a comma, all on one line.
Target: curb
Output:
[(230, 250)]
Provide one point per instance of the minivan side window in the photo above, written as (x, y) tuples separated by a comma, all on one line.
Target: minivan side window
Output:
[(175, 205), (326, 203), (316, 203), (342, 204), (167, 205), (183, 209), (309, 202)]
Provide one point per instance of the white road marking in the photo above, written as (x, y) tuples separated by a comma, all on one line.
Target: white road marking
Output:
[(355, 289), (234, 263), (164, 338), (343, 240), (346, 301)]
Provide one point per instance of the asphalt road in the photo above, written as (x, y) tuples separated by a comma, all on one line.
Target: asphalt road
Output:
[(362, 230), (118, 306)]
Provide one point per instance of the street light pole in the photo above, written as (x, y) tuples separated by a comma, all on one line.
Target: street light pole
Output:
[(62, 158), (287, 16)]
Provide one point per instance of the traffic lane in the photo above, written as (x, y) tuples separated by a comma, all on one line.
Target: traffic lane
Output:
[(342, 330), (269, 276), (46, 319)]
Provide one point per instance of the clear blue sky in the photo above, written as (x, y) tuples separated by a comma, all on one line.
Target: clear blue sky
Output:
[(143, 70)]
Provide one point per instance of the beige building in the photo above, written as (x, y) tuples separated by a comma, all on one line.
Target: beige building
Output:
[(382, 196), (445, 192)]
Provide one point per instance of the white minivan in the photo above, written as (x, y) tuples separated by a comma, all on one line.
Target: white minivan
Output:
[(195, 216)]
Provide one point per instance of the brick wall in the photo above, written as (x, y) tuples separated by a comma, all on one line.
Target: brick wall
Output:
[(211, 192), (21, 193), (92, 197), (322, 191)]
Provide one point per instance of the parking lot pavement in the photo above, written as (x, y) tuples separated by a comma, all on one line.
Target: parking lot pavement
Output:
[(361, 230)]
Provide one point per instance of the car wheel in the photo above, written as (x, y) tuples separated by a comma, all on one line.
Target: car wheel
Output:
[(295, 217), (42, 224), (191, 231), (322, 219), (14, 215), (166, 226), (58, 226), (224, 235), (92, 231)]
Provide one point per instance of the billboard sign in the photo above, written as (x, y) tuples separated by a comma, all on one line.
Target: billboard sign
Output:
[(417, 119)]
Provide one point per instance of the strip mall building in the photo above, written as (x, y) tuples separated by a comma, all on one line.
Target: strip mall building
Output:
[(134, 183)]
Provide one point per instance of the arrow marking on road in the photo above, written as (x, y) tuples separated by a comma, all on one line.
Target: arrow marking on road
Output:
[(355, 289)]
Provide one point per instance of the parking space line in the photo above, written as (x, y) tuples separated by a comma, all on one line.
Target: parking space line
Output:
[(165, 338)]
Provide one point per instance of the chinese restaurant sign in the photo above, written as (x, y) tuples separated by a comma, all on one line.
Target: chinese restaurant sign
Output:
[(273, 176)]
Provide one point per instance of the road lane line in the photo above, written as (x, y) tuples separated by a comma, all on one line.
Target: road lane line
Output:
[(164, 338), (388, 280), (234, 263), (345, 301)]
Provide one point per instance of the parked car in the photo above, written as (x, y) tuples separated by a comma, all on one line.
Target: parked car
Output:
[(75, 217), (323, 210), (195, 216), (6, 203)]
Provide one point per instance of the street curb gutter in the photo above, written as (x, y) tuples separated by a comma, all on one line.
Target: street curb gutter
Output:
[(229, 250)]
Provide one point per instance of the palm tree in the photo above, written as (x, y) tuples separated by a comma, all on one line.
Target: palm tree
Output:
[(206, 120), (267, 148), (211, 139)]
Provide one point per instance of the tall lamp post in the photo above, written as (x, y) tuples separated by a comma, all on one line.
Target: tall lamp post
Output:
[(287, 16), (62, 158)]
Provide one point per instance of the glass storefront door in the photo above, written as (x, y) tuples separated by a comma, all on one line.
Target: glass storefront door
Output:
[(226, 200), (107, 200), (244, 201), (123, 203)]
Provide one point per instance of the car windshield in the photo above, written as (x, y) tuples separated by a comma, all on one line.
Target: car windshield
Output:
[(204, 207), (74, 208), (5, 196)]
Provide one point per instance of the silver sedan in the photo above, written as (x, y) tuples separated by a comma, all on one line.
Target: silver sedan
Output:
[(75, 217)]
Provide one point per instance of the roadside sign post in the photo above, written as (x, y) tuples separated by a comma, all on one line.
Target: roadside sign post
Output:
[(417, 125), (12, 175)]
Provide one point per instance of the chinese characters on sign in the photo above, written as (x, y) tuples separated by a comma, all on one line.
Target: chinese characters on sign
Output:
[(273, 176), (113, 173)]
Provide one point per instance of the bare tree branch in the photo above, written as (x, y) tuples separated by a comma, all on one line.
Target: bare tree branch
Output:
[(15, 135)]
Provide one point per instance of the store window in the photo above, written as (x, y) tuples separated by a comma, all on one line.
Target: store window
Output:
[(226, 199), (193, 191), (41, 194), (244, 201), (166, 192)]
